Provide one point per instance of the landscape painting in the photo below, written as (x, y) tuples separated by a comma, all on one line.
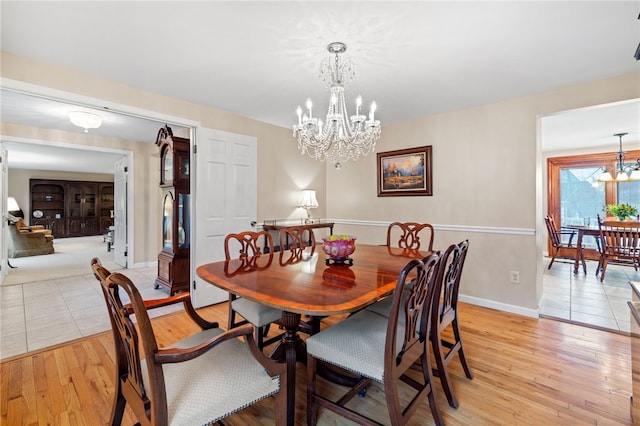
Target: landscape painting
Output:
[(405, 172)]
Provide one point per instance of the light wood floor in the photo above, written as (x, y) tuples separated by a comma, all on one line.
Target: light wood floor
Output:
[(527, 372)]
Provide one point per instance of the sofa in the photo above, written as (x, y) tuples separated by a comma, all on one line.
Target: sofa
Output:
[(22, 243), (23, 227)]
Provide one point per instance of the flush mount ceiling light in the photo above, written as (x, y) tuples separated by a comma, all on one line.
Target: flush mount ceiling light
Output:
[(340, 137), (623, 171), (86, 120)]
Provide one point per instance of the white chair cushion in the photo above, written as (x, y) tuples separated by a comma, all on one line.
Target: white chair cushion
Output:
[(212, 386), (256, 313), (383, 307), (355, 344)]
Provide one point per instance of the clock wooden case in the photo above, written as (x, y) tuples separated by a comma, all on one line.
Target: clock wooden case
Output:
[(174, 267)]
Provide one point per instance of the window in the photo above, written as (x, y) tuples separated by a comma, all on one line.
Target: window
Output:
[(576, 197), (581, 195)]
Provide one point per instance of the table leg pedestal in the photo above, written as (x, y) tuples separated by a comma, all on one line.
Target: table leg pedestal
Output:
[(579, 256), (290, 350)]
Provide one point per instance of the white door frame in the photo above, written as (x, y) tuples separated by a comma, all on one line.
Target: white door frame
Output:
[(4, 259)]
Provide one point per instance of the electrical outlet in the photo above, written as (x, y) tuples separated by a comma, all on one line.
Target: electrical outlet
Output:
[(515, 277)]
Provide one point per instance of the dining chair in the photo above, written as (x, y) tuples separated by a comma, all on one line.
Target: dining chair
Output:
[(620, 244), (444, 314), (381, 349), (297, 244), (246, 247), (556, 237), (201, 379), (406, 235)]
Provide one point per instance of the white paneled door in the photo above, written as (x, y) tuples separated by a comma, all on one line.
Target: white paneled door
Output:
[(226, 200), (120, 246)]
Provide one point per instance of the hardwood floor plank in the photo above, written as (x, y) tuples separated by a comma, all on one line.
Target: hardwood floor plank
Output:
[(526, 372)]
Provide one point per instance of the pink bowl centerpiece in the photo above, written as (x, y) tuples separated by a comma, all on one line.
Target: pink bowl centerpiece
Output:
[(339, 247)]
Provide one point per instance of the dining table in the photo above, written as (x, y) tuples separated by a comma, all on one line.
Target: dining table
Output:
[(581, 230), (310, 283)]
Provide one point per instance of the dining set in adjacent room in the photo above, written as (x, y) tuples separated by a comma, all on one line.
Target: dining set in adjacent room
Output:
[(616, 241), (349, 315)]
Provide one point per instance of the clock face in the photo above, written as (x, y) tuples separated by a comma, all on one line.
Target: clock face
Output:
[(168, 166)]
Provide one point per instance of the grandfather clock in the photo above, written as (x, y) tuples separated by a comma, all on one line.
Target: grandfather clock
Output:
[(173, 261)]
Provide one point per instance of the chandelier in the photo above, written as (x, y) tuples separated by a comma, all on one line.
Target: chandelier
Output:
[(623, 171), (340, 138)]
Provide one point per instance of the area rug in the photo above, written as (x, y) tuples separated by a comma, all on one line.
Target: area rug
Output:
[(72, 257)]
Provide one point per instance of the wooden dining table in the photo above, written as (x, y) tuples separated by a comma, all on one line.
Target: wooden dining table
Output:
[(579, 257), (310, 284)]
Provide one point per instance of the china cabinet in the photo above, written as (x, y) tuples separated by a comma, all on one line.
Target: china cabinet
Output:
[(71, 208), (173, 261)]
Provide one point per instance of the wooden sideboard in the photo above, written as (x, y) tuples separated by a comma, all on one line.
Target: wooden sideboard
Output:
[(274, 226), (71, 208)]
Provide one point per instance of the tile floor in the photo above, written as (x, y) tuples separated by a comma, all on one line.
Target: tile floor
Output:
[(42, 314), (582, 298), (45, 313)]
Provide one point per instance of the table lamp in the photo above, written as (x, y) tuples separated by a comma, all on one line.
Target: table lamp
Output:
[(13, 207), (308, 201)]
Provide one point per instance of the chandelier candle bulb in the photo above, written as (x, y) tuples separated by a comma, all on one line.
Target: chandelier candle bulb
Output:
[(299, 112), (309, 105), (358, 103)]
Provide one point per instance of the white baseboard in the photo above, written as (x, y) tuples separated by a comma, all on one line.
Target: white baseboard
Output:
[(143, 265), (519, 310)]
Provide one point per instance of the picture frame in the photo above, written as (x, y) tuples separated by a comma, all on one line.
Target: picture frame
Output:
[(405, 172)]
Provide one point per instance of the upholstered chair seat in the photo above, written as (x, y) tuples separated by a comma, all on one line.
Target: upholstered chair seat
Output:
[(256, 313), (194, 387)]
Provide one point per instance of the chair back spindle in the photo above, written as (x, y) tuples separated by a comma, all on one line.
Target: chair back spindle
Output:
[(620, 243), (444, 313), (410, 236), (294, 241), (247, 247)]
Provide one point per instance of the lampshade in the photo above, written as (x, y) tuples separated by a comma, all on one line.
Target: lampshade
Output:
[(605, 177), (86, 120), (308, 199), (622, 176), (12, 205), (635, 175)]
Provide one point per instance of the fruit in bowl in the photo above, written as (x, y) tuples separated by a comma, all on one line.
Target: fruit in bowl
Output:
[(339, 247)]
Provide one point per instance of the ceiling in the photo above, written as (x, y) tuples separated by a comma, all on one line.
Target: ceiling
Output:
[(260, 59)]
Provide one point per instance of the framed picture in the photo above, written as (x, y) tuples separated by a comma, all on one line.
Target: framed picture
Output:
[(405, 172)]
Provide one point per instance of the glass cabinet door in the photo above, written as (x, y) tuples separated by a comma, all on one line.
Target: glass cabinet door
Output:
[(184, 205), (89, 200), (82, 200), (167, 221), (74, 197)]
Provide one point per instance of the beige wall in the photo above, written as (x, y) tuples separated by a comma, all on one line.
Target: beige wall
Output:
[(487, 187), (487, 175)]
